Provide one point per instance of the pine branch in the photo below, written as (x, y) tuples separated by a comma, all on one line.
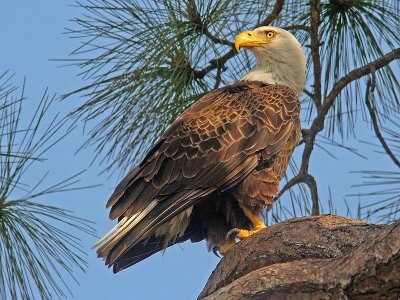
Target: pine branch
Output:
[(318, 123), (298, 27), (308, 93), (356, 33), (355, 74), (36, 250), (369, 89), (214, 64), (315, 44), (309, 135), (220, 62), (215, 39), (273, 15), (309, 139), (312, 185)]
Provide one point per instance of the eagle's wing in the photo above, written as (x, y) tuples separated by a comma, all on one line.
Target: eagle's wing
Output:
[(214, 145), (258, 189), (261, 186)]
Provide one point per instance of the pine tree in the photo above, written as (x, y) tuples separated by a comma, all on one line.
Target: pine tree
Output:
[(149, 60), (36, 255)]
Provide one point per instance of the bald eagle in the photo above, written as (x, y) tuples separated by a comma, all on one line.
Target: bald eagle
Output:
[(218, 165)]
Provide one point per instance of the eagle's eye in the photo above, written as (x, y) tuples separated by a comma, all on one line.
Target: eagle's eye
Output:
[(270, 34)]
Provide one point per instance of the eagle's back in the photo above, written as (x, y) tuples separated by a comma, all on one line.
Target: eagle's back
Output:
[(230, 149)]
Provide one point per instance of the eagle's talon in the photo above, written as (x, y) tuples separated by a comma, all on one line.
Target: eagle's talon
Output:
[(276, 196), (243, 233), (215, 250), (227, 246), (232, 231)]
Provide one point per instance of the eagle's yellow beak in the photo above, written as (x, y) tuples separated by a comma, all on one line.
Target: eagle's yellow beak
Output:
[(248, 39)]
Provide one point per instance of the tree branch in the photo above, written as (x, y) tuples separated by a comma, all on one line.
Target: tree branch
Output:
[(297, 27), (194, 17), (350, 77), (318, 123), (374, 119), (218, 78), (291, 183), (215, 39), (312, 185), (325, 257), (309, 135), (273, 15), (220, 62), (308, 138), (308, 93), (214, 64), (303, 176), (315, 44)]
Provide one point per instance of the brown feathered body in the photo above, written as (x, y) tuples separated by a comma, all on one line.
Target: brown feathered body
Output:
[(226, 153)]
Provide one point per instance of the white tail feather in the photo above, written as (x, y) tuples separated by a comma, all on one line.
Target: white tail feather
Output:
[(118, 225), (106, 243)]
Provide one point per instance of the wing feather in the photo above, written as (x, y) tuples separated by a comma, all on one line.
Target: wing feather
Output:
[(214, 145)]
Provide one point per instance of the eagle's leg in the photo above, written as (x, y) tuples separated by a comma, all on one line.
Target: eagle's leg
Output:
[(230, 242), (241, 234)]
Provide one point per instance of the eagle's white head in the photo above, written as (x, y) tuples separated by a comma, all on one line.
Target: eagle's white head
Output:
[(280, 58)]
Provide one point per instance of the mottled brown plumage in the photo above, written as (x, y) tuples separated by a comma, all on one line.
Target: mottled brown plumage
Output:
[(216, 168), (208, 159)]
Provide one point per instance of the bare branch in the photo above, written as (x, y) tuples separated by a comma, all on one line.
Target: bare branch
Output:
[(291, 183), (303, 175), (315, 44), (274, 14), (199, 26), (298, 27), (317, 126), (339, 2), (215, 39), (214, 64), (318, 123), (309, 140), (309, 135), (375, 123), (312, 185), (220, 62), (218, 78), (308, 93), (350, 77)]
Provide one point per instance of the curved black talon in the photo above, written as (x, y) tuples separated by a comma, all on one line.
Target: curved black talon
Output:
[(230, 232), (276, 196), (215, 251)]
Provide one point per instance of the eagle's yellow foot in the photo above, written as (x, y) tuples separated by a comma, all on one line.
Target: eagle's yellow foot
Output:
[(241, 234), (224, 248)]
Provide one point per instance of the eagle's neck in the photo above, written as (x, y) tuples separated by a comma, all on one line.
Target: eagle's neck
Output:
[(278, 71)]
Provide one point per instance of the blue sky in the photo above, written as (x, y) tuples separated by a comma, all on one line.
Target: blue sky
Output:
[(31, 36)]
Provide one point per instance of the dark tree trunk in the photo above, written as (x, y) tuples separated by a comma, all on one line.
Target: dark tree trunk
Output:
[(321, 257)]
